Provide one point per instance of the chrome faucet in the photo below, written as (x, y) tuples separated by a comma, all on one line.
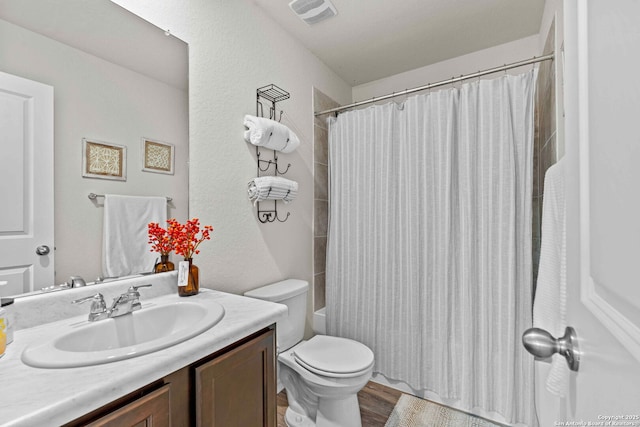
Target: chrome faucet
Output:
[(123, 304), (127, 302)]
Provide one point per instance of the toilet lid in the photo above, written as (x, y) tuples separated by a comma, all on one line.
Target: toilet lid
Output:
[(334, 356)]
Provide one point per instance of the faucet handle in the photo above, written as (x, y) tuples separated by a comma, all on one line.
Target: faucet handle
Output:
[(133, 291), (98, 306), (97, 297), (134, 296), (135, 288)]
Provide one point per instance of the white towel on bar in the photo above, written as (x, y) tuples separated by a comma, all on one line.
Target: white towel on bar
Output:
[(272, 188), (126, 248), (270, 134), (550, 304)]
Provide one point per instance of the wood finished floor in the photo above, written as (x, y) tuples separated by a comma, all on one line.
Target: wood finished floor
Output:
[(376, 403)]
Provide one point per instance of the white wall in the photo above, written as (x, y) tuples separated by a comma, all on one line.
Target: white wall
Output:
[(481, 60), (234, 48), (97, 99)]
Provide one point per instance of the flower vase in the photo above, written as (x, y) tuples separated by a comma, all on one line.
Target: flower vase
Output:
[(164, 265), (193, 280)]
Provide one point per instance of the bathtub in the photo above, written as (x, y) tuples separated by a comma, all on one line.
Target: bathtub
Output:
[(320, 321)]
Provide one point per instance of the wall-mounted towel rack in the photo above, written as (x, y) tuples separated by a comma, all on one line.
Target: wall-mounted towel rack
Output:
[(272, 94), (94, 196)]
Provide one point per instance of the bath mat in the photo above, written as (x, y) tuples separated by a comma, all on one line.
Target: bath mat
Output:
[(411, 411)]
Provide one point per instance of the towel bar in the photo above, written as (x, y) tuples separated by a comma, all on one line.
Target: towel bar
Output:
[(94, 196)]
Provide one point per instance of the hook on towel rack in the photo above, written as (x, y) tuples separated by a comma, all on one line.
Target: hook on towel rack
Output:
[(265, 216), (270, 162)]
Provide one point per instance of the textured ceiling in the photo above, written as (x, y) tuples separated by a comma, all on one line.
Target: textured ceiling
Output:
[(372, 39), (366, 41)]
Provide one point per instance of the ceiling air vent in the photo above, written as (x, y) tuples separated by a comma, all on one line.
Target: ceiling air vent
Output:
[(313, 11)]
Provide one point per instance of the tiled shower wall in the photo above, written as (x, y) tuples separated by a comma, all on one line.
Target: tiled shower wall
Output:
[(545, 140), (321, 102)]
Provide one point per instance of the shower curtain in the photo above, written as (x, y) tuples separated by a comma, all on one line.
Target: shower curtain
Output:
[(429, 245)]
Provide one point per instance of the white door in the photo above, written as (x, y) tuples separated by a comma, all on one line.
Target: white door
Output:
[(602, 119), (26, 185)]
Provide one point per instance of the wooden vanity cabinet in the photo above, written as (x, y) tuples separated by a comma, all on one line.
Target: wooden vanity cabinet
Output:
[(233, 387), (238, 388)]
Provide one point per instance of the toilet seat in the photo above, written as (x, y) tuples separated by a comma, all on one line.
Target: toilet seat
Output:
[(334, 357)]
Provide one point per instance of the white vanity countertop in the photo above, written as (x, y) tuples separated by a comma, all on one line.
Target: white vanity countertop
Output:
[(51, 397)]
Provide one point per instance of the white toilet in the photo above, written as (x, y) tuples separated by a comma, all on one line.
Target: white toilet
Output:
[(323, 375)]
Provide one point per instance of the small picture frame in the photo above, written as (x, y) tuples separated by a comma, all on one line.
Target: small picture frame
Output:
[(157, 156), (104, 160)]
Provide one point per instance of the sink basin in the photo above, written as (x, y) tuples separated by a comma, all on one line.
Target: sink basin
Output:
[(150, 329)]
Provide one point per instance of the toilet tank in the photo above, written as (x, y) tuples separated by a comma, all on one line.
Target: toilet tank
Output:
[(293, 294)]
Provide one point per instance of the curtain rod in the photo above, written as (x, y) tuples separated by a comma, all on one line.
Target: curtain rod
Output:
[(441, 83)]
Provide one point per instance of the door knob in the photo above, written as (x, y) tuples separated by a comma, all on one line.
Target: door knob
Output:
[(541, 343), (43, 250)]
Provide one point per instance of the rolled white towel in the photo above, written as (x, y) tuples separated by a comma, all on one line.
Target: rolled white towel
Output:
[(272, 188), (263, 190), (266, 194), (270, 134)]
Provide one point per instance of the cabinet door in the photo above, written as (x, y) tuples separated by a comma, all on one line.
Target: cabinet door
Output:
[(238, 389), (150, 410)]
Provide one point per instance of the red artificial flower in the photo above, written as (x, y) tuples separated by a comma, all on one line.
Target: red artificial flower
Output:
[(159, 239), (185, 236)]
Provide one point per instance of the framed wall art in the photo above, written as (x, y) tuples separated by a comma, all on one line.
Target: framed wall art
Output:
[(103, 160), (157, 156)]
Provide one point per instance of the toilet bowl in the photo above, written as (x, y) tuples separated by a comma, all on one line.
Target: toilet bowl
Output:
[(323, 375)]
